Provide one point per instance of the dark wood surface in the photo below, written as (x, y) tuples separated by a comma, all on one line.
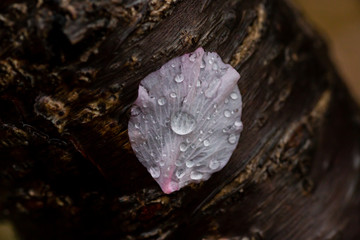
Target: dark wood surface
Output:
[(69, 72)]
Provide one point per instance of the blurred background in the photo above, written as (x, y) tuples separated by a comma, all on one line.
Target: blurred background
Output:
[(339, 22)]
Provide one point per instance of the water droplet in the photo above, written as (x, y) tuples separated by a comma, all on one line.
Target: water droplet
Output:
[(215, 67), (179, 78), (201, 131), (173, 95), (152, 154), (238, 124), (183, 147), (162, 163), (182, 123), (135, 111), (214, 164), (189, 163), (161, 101), (206, 143), (193, 146), (211, 60), (192, 57), (180, 173), (187, 140), (227, 113), (202, 65), (178, 163), (211, 131), (215, 105), (172, 65), (232, 139), (196, 175), (198, 83), (154, 171), (233, 96), (136, 125), (226, 100)]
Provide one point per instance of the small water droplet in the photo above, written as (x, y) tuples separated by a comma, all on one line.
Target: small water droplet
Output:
[(198, 83), (164, 154), (180, 173), (152, 154), (211, 60), (189, 163), (182, 123), (161, 101), (187, 140), (232, 139), (136, 125), (178, 163), (215, 105), (214, 164), (173, 95), (201, 131), (202, 65), (162, 163), (154, 171), (192, 57), (196, 175), (183, 147), (193, 146), (135, 111), (206, 143), (215, 67), (172, 65), (238, 124), (179, 78), (227, 113), (233, 96), (211, 131)]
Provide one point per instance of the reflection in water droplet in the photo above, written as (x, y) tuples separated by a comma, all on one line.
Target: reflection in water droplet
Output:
[(233, 96), (238, 124), (182, 123), (189, 163), (135, 111), (180, 173), (161, 101), (214, 164), (154, 171), (232, 138), (227, 113), (196, 175), (173, 95), (183, 147), (179, 78), (206, 143)]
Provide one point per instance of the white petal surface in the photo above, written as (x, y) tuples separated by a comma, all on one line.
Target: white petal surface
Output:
[(186, 121)]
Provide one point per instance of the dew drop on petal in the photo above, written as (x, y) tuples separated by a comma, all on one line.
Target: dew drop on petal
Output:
[(183, 147), (214, 164), (161, 101), (182, 123), (227, 113), (196, 175), (179, 78), (155, 172), (234, 96), (180, 173), (206, 143), (232, 139), (173, 95)]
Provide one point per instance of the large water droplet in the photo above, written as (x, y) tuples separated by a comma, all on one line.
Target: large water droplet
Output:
[(179, 78), (206, 143), (227, 113), (180, 173), (196, 175), (154, 171), (233, 96), (232, 139), (161, 101), (183, 147), (173, 95), (182, 123)]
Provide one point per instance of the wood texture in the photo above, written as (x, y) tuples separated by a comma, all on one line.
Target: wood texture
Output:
[(69, 72)]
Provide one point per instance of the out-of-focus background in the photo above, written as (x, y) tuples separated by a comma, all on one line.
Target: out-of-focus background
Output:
[(339, 22)]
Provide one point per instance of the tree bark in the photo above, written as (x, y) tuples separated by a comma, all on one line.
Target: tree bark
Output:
[(69, 72)]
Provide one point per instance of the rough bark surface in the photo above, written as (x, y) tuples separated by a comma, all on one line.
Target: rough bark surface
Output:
[(69, 72)]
